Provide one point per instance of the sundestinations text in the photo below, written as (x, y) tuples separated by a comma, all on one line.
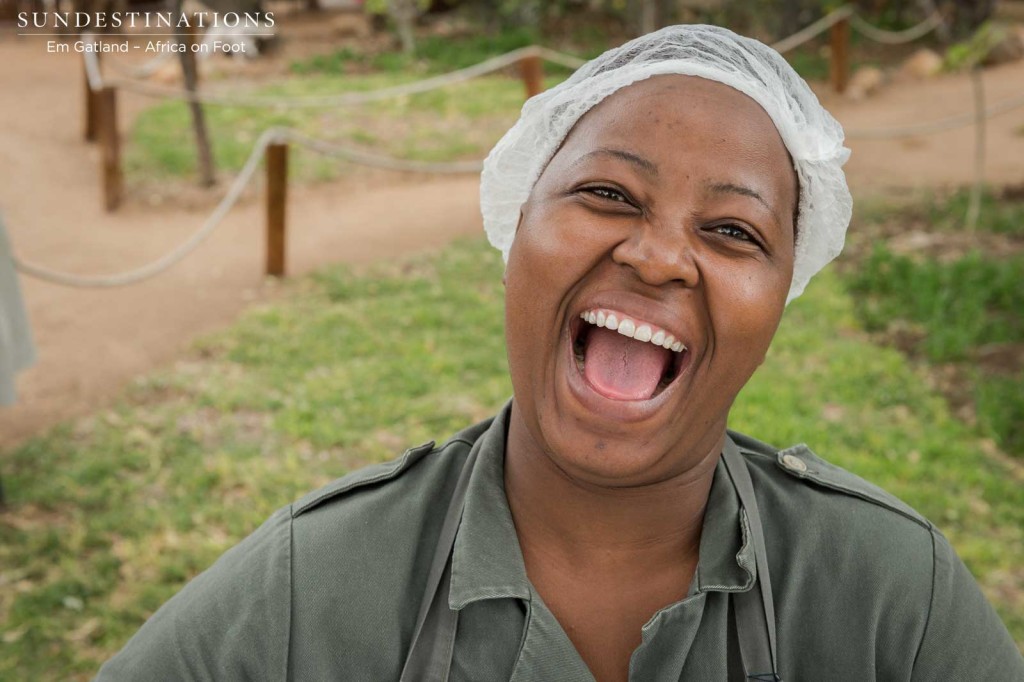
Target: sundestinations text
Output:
[(80, 20)]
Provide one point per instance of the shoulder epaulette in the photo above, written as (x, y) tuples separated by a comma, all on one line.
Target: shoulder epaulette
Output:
[(375, 473), (800, 462)]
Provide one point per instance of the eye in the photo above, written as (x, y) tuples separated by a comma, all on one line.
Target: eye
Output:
[(607, 193), (739, 235), (734, 231)]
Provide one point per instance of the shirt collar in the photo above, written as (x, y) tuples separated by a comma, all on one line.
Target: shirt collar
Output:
[(487, 561), (726, 561)]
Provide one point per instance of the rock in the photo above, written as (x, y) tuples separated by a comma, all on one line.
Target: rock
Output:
[(351, 25), (922, 64), (864, 81)]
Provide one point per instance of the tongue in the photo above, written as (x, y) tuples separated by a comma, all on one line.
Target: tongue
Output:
[(622, 368)]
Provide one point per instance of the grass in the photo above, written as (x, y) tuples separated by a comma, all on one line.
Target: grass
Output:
[(111, 514), (956, 305), (458, 122), (961, 305), (996, 215)]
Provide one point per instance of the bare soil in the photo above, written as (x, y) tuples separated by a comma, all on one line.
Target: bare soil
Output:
[(91, 342)]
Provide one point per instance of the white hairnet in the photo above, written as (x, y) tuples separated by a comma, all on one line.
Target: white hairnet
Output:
[(814, 139)]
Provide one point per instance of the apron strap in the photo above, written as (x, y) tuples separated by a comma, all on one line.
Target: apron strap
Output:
[(430, 655), (754, 609)]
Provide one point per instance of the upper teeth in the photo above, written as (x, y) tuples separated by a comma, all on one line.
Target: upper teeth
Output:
[(641, 331)]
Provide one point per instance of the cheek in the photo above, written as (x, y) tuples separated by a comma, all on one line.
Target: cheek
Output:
[(547, 253), (748, 309), (535, 280), (544, 237)]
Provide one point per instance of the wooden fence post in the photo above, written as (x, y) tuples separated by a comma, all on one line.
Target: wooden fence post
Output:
[(839, 59), (91, 131), (110, 147), (277, 199), (532, 71)]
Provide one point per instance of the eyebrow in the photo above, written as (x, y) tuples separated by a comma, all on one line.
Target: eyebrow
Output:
[(730, 188), (645, 165)]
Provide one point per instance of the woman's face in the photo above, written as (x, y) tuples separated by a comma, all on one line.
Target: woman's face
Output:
[(670, 208)]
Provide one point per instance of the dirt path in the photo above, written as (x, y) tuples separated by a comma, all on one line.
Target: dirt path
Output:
[(936, 160), (91, 342)]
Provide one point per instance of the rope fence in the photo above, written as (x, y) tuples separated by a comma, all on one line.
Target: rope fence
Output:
[(101, 109), (491, 65), (178, 253), (909, 35), (277, 181), (273, 143), (941, 125), (838, 17), (813, 30), (144, 70)]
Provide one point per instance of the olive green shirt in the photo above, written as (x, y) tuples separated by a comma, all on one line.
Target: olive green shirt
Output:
[(329, 588)]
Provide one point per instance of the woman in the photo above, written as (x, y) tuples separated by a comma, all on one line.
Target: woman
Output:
[(656, 212)]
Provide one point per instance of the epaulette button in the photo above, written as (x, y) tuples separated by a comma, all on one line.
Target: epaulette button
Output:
[(794, 463)]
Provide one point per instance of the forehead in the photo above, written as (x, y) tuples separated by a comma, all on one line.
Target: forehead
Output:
[(669, 115)]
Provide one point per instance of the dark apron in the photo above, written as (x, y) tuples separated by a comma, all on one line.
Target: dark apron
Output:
[(430, 656)]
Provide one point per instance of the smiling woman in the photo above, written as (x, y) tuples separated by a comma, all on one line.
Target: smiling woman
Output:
[(657, 211)]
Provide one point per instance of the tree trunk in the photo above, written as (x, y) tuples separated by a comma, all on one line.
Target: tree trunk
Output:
[(403, 13), (190, 74)]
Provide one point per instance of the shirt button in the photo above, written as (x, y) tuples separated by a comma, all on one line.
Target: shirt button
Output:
[(793, 463)]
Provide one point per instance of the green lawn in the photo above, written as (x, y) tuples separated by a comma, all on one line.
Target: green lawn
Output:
[(111, 514), (954, 300), (456, 122)]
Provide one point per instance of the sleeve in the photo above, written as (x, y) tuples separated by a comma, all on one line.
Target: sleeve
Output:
[(963, 638), (232, 622)]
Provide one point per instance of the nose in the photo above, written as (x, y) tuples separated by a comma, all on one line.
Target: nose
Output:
[(659, 255)]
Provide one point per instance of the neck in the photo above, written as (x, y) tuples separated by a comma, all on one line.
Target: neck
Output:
[(581, 524)]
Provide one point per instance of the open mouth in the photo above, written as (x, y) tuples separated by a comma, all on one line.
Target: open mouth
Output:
[(625, 358)]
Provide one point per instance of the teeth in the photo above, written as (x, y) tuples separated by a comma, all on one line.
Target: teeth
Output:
[(629, 328)]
